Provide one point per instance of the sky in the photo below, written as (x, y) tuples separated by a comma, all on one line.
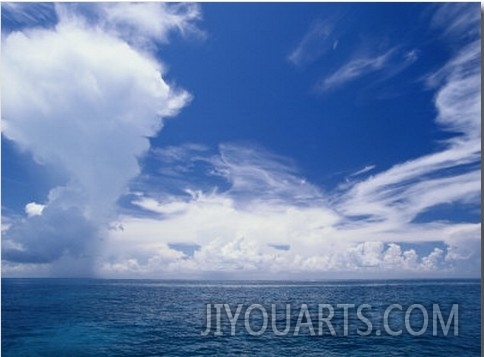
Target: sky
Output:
[(241, 140)]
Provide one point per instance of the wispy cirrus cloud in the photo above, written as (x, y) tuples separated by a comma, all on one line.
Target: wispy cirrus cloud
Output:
[(456, 20), (457, 101), (363, 170), (441, 177), (139, 24), (354, 69), (23, 15), (316, 42), (323, 37)]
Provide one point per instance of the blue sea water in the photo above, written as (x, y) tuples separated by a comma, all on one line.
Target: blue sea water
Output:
[(95, 317)]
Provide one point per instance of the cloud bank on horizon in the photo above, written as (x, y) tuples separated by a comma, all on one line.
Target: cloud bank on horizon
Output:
[(84, 93)]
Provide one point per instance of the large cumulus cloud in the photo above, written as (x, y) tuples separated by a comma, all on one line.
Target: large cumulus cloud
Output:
[(82, 98)]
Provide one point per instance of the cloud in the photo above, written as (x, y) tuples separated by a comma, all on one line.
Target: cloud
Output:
[(316, 42), (411, 56), (69, 100), (23, 15), (47, 237), (34, 209), (269, 221), (457, 20), (363, 170), (144, 18), (354, 69), (140, 24), (257, 173), (399, 195), (458, 102), (183, 152), (239, 209), (265, 240)]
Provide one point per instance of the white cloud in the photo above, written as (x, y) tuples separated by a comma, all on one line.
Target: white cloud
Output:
[(457, 20), (354, 69), (431, 262), (237, 230), (112, 108), (315, 43), (34, 209), (239, 241), (400, 193), (154, 20), (184, 152), (82, 99), (126, 99), (140, 24), (367, 229), (265, 176), (459, 101), (363, 170)]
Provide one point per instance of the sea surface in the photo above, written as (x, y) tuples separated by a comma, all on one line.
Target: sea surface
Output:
[(96, 317)]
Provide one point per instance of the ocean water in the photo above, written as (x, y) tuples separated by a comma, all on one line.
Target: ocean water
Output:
[(94, 317)]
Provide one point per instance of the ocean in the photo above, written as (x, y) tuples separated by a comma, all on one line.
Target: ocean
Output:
[(97, 317)]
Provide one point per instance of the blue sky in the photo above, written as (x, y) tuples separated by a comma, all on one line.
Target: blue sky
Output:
[(244, 140)]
